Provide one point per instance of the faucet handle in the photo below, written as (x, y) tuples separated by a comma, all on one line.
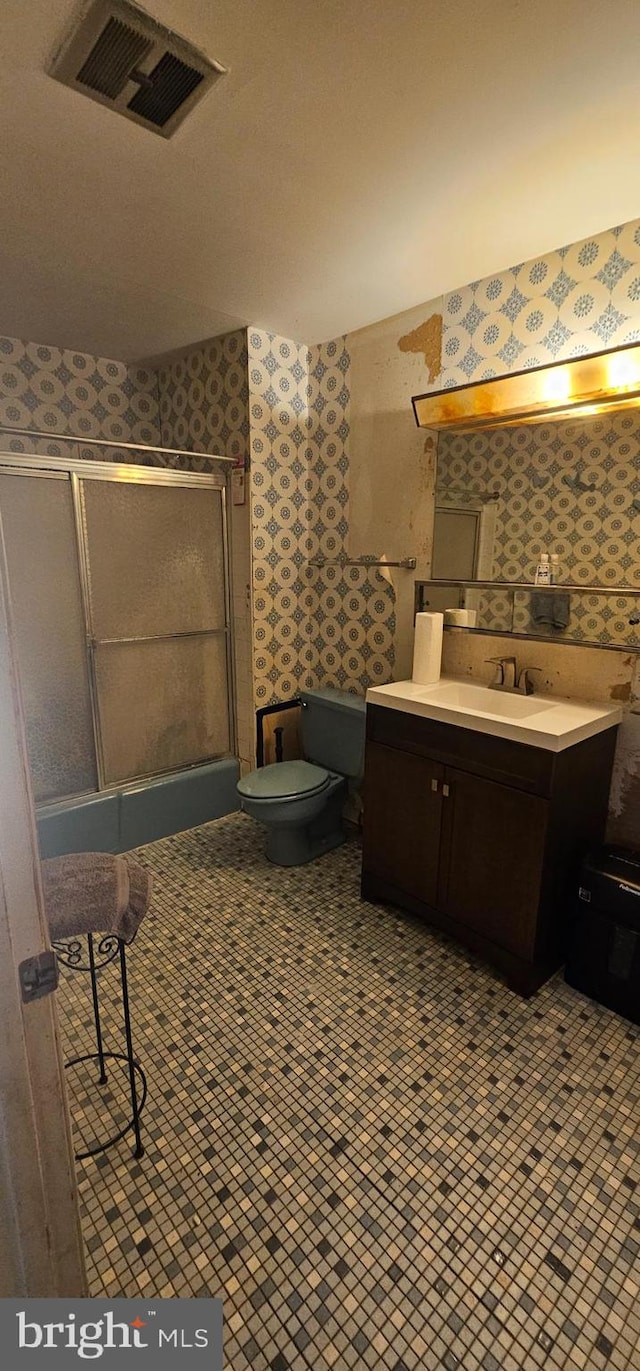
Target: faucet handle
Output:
[(501, 664), (498, 678), (524, 683)]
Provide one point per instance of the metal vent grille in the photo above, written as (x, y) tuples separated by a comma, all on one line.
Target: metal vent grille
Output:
[(118, 55), (112, 59), (169, 85)]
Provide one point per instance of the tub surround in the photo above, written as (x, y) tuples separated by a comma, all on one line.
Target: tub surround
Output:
[(119, 819)]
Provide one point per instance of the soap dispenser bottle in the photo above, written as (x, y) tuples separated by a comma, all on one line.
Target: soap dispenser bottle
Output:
[(543, 570)]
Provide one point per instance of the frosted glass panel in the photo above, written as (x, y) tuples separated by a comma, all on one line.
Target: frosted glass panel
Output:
[(156, 562), (163, 705), (37, 519)]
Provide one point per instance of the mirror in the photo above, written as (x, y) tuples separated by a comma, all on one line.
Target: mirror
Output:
[(570, 488)]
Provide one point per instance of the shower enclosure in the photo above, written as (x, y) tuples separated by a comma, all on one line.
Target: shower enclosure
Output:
[(120, 596)]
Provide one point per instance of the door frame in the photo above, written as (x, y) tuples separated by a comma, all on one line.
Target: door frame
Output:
[(41, 1250)]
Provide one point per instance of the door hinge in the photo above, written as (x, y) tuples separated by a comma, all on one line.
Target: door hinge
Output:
[(38, 976)]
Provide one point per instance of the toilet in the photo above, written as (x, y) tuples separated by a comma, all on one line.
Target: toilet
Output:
[(300, 803)]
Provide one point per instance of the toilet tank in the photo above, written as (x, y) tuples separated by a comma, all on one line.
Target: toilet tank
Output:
[(333, 730)]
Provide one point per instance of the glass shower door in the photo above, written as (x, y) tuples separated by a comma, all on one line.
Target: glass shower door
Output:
[(155, 584), (46, 601)]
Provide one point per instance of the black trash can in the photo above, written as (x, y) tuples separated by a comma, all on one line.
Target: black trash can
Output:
[(603, 959)]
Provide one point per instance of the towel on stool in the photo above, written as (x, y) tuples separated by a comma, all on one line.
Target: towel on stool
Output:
[(95, 892), (549, 610)]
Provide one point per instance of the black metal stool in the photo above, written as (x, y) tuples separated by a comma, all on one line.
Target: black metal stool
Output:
[(70, 953)]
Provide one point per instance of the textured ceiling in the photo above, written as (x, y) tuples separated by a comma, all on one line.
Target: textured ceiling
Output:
[(359, 158)]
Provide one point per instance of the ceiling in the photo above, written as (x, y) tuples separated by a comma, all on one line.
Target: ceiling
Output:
[(359, 158)]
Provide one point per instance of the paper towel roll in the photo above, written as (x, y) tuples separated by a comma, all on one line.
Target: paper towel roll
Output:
[(462, 618), (427, 649)]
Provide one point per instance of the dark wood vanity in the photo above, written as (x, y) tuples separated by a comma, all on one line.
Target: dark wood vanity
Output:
[(481, 835)]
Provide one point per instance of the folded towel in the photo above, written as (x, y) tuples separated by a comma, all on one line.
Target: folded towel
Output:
[(549, 610), (95, 892)]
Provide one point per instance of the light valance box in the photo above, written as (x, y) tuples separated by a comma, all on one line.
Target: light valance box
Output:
[(596, 384)]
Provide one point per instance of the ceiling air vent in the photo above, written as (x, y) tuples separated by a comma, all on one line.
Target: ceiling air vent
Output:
[(122, 57)]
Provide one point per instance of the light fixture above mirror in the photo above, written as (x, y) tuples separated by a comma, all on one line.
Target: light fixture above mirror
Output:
[(595, 384)]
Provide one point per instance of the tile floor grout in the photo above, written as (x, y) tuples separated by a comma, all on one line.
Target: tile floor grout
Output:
[(357, 1136)]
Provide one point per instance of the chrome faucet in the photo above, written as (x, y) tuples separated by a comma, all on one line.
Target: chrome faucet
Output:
[(525, 685), (505, 673), (507, 677)]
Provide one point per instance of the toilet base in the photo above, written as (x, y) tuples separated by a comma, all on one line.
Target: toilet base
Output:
[(294, 845)]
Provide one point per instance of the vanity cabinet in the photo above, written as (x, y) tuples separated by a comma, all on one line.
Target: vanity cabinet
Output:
[(481, 835)]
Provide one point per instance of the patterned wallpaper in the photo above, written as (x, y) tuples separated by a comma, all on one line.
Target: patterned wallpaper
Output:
[(204, 405), (571, 488), (352, 607), (312, 626), (198, 401), (287, 406), (592, 618), (203, 398), (281, 514), (568, 487), (59, 391), (582, 298)]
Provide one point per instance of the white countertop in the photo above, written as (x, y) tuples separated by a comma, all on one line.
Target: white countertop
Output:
[(546, 721)]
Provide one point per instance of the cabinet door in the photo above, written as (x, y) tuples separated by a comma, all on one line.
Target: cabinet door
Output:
[(402, 820), (492, 854)]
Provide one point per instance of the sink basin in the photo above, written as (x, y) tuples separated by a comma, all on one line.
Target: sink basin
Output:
[(538, 720), (490, 702)]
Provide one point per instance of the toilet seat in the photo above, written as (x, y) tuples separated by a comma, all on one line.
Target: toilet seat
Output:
[(284, 781)]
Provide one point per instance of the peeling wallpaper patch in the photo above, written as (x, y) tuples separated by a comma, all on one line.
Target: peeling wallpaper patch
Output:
[(620, 694), (426, 339), (624, 797)]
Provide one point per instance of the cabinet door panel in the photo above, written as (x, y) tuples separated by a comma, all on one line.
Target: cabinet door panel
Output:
[(402, 820), (492, 856)]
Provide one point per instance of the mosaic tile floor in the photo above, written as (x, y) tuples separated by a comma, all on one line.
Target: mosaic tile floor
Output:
[(374, 1152)]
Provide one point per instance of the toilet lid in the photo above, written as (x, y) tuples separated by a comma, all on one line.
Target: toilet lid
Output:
[(283, 780)]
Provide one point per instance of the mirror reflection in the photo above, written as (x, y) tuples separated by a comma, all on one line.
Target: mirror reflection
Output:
[(569, 489)]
